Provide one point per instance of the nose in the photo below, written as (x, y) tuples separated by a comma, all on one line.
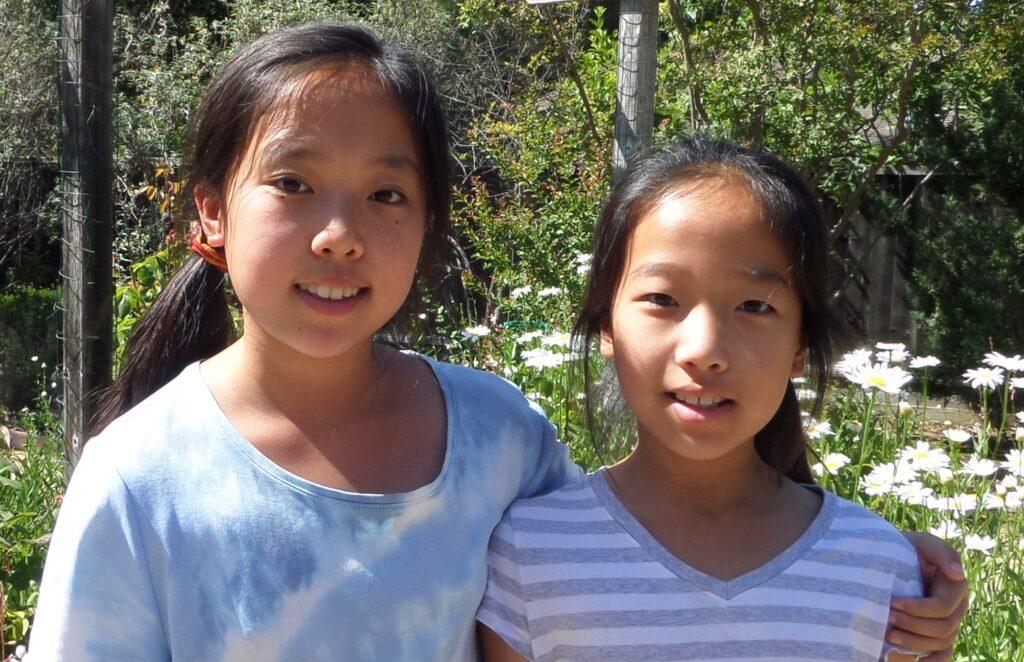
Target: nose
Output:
[(702, 341), (340, 237)]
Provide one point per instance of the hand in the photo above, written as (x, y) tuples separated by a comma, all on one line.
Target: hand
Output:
[(930, 624)]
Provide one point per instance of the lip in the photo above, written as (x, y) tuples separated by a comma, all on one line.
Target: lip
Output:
[(693, 414), (332, 306), (331, 282)]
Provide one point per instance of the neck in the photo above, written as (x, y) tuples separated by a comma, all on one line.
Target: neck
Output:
[(273, 377), (652, 474)]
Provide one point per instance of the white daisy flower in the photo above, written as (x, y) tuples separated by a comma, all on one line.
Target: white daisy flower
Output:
[(924, 362), (835, 461), (1011, 363), (924, 457), (528, 336), (980, 467), (543, 358), (946, 529), (983, 544), (474, 333), (556, 339), (879, 376), (984, 377), (1014, 462), (913, 493), (820, 429), (956, 435)]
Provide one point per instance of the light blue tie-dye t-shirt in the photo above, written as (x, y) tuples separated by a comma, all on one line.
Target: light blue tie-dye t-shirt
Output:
[(178, 539)]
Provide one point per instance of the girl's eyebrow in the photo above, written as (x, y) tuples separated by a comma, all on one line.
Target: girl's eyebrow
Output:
[(765, 274), (284, 150), (653, 270)]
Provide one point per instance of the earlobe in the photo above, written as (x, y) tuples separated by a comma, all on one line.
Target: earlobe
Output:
[(799, 363), (607, 345), (211, 215)]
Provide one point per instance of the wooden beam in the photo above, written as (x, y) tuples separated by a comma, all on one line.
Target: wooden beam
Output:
[(86, 69), (638, 68)]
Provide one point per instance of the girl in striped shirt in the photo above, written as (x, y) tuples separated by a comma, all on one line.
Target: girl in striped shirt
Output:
[(710, 540)]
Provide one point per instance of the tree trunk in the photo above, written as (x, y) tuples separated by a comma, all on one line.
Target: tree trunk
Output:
[(638, 66), (86, 31)]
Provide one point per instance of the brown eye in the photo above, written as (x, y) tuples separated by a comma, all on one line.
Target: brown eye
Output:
[(387, 196), (291, 185), (659, 299), (756, 306)]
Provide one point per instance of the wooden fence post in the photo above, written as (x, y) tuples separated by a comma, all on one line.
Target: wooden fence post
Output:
[(86, 69), (638, 67)]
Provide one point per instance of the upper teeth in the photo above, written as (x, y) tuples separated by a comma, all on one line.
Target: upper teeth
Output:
[(698, 401), (329, 291)]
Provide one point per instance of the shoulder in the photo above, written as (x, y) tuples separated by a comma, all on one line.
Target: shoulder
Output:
[(858, 531), (575, 502), (484, 404), (147, 440), (472, 384)]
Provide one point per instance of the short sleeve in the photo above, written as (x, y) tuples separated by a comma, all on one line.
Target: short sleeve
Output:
[(907, 583), (554, 467), (503, 608), (96, 599)]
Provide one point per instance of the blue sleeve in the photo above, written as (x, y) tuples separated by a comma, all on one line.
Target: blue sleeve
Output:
[(553, 468), (96, 598)]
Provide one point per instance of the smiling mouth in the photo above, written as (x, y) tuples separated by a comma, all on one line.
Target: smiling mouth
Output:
[(704, 403), (330, 292)]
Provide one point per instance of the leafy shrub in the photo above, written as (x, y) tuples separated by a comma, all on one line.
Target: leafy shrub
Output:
[(29, 326), (31, 485)]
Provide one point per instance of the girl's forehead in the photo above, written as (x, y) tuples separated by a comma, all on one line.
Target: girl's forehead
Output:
[(719, 229), (330, 112), (324, 92)]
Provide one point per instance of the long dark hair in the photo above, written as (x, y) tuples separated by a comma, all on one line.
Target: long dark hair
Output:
[(190, 319), (793, 213)]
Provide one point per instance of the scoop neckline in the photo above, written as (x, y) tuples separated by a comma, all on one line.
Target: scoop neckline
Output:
[(275, 471), (726, 589)]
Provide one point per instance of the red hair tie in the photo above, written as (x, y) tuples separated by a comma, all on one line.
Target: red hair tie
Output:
[(215, 256)]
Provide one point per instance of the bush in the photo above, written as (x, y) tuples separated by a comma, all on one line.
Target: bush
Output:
[(29, 326)]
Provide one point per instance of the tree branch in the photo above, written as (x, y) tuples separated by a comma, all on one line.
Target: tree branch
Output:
[(573, 73), (698, 114), (853, 201)]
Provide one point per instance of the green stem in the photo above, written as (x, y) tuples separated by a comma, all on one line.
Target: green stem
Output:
[(1006, 409)]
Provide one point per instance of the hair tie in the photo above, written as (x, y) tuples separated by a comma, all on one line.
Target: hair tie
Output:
[(215, 256)]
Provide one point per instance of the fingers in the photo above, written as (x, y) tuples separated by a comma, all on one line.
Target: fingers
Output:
[(946, 596), (937, 551), (912, 642), (926, 634), (941, 656)]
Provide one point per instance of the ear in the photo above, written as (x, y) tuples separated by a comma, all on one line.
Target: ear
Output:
[(607, 344), (799, 362), (211, 214)]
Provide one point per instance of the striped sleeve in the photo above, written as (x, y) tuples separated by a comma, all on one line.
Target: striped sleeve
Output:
[(503, 608), (907, 582)]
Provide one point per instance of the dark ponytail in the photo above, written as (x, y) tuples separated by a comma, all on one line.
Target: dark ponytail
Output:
[(190, 320)]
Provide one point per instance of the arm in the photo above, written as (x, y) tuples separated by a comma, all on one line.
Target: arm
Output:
[(494, 647), (931, 623), (553, 467), (96, 599)]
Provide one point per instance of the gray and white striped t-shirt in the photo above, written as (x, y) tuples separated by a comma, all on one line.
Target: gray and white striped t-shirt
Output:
[(573, 576)]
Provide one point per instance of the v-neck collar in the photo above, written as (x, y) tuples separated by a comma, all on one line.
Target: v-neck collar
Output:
[(725, 589)]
